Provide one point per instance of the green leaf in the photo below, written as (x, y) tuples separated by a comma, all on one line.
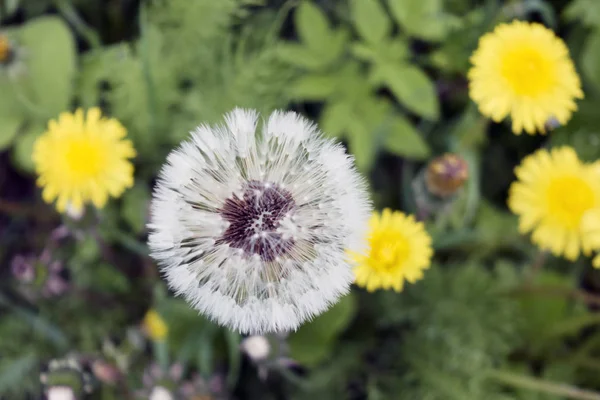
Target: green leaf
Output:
[(386, 52), (300, 56), (10, 7), (313, 26), (590, 59), (588, 11), (51, 66), (543, 313), (362, 144), (12, 116), (370, 20), (313, 342), (135, 207), (313, 87), (404, 140), (335, 118), (9, 127), (23, 148), (12, 374), (423, 19), (107, 278), (412, 87)]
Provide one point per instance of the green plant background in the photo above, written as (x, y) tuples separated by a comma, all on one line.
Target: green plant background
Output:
[(492, 319)]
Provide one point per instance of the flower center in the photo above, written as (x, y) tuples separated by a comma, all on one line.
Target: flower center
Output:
[(255, 218), (84, 158), (390, 252), (568, 199), (527, 71)]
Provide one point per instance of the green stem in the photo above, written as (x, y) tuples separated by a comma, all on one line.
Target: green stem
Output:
[(68, 11), (539, 385)]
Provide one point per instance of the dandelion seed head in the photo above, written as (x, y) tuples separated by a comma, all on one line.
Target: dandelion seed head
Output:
[(251, 223)]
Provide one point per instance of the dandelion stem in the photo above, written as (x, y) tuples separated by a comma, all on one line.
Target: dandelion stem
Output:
[(543, 386), (89, 34)]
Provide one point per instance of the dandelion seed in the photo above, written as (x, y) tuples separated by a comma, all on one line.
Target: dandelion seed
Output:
[(251, 225)]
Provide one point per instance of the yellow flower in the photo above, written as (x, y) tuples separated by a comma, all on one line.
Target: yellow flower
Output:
[(557, 198), (82, 159), (400, 249), (155, 326), (524, 70)]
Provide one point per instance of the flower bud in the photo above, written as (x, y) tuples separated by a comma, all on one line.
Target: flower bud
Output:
[(446, 174), (6, 50)]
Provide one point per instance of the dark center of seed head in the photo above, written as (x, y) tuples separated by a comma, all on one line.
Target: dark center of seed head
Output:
[(255, 218)]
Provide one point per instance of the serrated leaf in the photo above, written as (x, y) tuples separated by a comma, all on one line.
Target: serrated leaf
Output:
[(312, 26), (313, 87), (311, 344), (50, 63), (423, 19), (413, 88), (404, 140), (23, 148), (370, 19), (590, 59)]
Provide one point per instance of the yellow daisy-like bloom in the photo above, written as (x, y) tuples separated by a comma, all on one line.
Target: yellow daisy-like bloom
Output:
[(155, 326), (83, 158), (557, 198), (400, 249), (524, 69)]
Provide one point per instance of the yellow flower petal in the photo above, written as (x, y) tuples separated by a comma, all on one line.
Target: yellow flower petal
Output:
[(83, 159), (524, 70), (400, 249), (557, 198)]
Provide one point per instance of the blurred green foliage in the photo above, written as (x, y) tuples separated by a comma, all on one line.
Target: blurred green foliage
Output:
[(492, 319)]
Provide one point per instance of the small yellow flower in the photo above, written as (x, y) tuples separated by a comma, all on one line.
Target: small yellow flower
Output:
[(400, 249), (524, 70), (557, 198), (83, 158), (155, 326)]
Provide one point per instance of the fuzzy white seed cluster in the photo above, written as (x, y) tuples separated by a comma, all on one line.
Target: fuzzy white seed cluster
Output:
[(251, 224)]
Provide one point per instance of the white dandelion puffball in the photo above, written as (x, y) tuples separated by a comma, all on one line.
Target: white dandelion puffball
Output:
[(252, 225)]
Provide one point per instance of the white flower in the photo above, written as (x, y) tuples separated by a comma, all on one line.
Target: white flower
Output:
[(160, 393), (256, 347), (252, 225), (60, 393)]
